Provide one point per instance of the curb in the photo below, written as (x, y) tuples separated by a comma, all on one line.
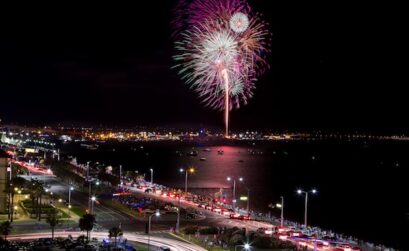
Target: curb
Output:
[(182, 239)]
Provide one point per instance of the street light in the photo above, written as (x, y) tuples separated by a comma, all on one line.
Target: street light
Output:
[(151, 175), (157, 214), (278, 205), (234, 190), (299, 191), (246, 247), (93, 199), (178, 219), (71, 188), (89, 192), (189, 170)]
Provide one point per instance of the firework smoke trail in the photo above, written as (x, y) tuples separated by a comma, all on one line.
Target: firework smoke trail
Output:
[(221, 51), (226, 101)]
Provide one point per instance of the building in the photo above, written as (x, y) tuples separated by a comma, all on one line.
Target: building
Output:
[(3, 180)]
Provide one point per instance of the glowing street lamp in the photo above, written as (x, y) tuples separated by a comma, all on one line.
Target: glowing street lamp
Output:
[(234, 190), (246, 247), (299, 191), (71, 188), (89, 192), (157, 214), (190, 170), (93, 199), (281, 206)]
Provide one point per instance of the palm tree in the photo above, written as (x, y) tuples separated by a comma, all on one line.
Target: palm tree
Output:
[(86, 223), (15, 183), (53, 219), (39, 191), (115, 232), (33, 194), (5, 228), (36, 190)]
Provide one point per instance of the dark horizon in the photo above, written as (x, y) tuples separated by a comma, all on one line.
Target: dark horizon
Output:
[(332, 68)]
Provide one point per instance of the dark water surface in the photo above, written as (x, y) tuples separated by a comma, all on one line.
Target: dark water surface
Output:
[(363, 186)]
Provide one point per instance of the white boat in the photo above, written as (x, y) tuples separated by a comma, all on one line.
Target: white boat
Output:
[(90, 146)]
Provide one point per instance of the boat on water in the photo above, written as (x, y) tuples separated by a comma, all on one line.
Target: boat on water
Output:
[(192, 153), (207, 150), (203, 159), (90, 146), (220, 151)]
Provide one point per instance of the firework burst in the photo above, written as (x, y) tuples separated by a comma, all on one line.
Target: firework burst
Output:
[(221, 51)]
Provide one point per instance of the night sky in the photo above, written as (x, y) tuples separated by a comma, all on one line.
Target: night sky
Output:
[(332, 67)]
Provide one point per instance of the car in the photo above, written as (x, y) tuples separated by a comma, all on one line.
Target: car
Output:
[(208, 207), (296, 233), (216, 209), (164, 248), (227, 212), (239, 216)]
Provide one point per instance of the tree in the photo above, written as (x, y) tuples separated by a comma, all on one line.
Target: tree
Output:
[(86, 223), (15, 183), (36, 191), (53, 219), (115, 232), (39, 191), (5, 228)]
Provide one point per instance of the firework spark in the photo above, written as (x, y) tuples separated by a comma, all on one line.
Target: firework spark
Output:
[(221, 51), (239, 22)]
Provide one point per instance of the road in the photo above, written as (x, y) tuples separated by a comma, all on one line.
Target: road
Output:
[(173, 244), (108, 217), (212, 218), (103, 213)]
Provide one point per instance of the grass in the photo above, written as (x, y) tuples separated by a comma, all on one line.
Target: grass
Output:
[(194, 240), (80, 211), (64, 214), (120, 207)]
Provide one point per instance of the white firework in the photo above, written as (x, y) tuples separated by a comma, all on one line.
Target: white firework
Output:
[(239, 22), (219, 51)]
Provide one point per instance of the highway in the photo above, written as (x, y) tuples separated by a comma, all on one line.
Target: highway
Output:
[(108, 217)]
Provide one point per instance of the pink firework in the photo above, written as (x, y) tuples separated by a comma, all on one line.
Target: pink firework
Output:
[(221, 51)]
